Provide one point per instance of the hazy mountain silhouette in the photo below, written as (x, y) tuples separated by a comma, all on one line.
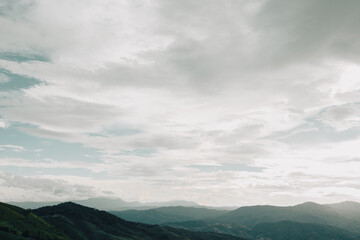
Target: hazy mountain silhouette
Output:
[(304, 213), (347, 209), (72, 221), (65, 221), (249, 221), (168, 214), (79, 222), (109, 204)]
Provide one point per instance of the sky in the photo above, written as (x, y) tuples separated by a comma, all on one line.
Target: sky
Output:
[(225, 103)]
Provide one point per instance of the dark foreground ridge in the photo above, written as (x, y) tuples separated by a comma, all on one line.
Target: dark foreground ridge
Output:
[(20, 224), (79, 222), (72, 221)]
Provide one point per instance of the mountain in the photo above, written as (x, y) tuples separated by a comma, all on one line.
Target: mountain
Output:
[(284, 230), (304, 213), (118, 204), (19, 224), (84, 223), (109, 204), (168, 214), (99, 203), (172, 204), (32, 205), (347, 209), (287, 230), (65, 221), (213, 226), (248, 222)]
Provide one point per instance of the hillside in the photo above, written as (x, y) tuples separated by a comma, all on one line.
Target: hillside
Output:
[(168, 214), (303, 213), (287, 230), (308, 221), (79, 223), (283, 230), (108, 204), (303, 219), (213, 226), (17, 223), (347, 209)]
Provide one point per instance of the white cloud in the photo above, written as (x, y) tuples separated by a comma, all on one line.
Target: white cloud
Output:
[(343, 117), (349, 79), (3, 124), (250, 82), (18, 188), (12, 147)]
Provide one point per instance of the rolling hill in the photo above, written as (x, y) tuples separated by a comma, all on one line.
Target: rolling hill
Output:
[(304, 213), (168, 214), (287, 230), (65, 221), (259, 221), (83, 223), (17, 223), (108, 204), (347, 209)]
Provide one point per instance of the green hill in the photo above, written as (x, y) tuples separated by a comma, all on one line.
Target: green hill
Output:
[(287, 230), (284, 230), (109, 204), (247, 222), (213, 226), (347, 209), (168, 214), (308, 221), (305, 213), (83, 223), (17, 223)]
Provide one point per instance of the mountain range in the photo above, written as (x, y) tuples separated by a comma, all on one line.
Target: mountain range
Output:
[(20, 224), (65, 221), (169, 214), (250, 222), (72, 221), (113, 204)]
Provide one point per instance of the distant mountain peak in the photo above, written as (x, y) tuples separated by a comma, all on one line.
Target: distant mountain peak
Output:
[(80, 222), (68, 204), (308, 204), (311, 206), (66, 207), (353, 203), (106, 203)]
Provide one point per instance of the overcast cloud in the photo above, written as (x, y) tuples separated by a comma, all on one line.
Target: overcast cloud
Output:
[(234, 102)]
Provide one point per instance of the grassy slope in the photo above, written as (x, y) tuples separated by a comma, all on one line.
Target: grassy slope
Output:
[(304, 213), (245, 220), (168, 214), (81, 222), (287, 230), (17, 223)]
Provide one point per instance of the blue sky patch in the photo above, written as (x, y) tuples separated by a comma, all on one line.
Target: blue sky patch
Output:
[(16, 82), (142, 152), (16, 57), (116, 131), (36, 148)]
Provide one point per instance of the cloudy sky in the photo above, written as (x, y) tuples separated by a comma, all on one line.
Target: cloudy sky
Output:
[(233, 102)]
